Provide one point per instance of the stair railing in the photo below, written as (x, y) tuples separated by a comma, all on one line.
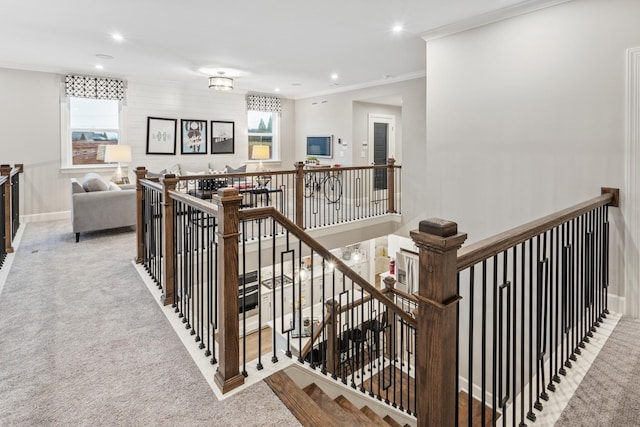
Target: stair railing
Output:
[(328, 315), (504, 318), (10, 204), (195, 251)]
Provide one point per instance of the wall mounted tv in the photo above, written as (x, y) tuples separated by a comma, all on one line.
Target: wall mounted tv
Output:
[(320, 146)]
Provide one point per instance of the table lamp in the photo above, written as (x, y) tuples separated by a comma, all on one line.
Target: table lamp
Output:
[(260, 152), (117, 154)]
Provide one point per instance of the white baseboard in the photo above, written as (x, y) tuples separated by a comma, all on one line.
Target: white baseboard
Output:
[(617, 304), (51, 216)]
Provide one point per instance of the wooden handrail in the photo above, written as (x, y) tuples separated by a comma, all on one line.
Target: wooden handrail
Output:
[(154, 185), (270, 211), (280, 172), (491, 246), (316, 333), (206, 207), (405, 295), (344, 308)]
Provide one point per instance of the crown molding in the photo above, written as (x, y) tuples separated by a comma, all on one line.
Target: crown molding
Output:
[(381, 82), (489, 18)]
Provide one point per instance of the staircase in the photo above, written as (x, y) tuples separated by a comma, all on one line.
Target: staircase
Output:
[(314, 407)]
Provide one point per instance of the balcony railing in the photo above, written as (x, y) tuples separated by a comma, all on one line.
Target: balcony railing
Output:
[(506, 317), (499, 321)]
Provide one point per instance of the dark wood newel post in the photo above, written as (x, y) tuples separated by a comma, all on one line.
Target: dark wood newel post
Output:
[(5, 170), (141, 173), (438, 241), (391, 186), (299, 196), (169, 183), (228, 374)]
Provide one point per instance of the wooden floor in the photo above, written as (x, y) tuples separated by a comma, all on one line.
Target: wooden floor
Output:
[(404, 393), (252, 345)]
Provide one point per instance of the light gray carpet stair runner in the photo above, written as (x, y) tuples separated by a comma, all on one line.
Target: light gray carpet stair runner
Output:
[(83, 343)]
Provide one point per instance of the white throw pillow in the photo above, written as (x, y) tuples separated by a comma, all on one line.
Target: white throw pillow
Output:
[(114, 187), (94, 182), (175, 169)]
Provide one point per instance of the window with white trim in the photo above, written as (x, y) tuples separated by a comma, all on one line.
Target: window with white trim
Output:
[(91, 119), (263, 130), (263, 127), (92, 123)]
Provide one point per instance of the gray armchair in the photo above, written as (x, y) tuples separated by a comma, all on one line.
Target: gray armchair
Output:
[(100, 210)]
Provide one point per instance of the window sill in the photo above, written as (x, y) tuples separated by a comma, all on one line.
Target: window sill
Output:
[(265, 162), (87, 169)]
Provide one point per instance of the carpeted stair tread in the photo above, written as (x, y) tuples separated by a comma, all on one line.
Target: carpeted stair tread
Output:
[(301, 405), (358, 417), (391, 421), (375, 418)]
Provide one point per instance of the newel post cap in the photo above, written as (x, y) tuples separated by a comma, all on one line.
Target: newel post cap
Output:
[(438, 234), (438, 227)]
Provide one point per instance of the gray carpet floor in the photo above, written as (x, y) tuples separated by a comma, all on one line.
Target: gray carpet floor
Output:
[(609, 394), (82, 342)]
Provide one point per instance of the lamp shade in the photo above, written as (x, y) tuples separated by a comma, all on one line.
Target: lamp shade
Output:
[(260, 152), (221, 82), (117, 154)]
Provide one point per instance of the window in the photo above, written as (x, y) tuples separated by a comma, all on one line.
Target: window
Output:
[(263, 129), (92, 122), (90, 117)]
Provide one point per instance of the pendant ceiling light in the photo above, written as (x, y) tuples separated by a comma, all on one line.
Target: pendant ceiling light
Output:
[(221, 82)]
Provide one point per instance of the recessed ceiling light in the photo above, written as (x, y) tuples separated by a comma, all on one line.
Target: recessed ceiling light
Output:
[(117, 37), (334, 76), (99, 66), (277, 89), (397, 28)]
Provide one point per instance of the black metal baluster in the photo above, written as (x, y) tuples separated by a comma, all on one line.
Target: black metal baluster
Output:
[(484, 341), (244, 299), (522, 335), (259, 365), (531, 415), (494, 340), (274, 302), (557, 330), (470, 352)]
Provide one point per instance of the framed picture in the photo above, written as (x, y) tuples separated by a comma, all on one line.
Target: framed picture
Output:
[(194, 136), (161, 135), (222, 137)]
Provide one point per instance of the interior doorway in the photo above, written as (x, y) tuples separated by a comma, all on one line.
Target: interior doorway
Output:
[(382, 145)]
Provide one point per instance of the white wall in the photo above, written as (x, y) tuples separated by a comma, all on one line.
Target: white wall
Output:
[(345, 115), (30, 129), (30, 125), (526, 117)]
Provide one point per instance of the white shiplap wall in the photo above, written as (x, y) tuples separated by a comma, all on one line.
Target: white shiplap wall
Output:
[(174, 101)]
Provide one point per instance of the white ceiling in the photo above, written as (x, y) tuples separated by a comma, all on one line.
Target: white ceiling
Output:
[(294, 45)]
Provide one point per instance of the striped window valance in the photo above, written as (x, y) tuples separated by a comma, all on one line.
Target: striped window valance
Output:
[(264, 103), (94, 87)]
